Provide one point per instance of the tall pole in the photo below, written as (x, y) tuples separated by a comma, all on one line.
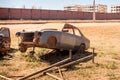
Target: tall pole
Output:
[(94, 15)]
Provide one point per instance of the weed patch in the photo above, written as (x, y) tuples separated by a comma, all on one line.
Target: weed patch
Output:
[(84, 73), (13, 69), (111, 65), (4, 63), (116, 56), (112, 76), (31, 58), (3, 73), (33, 64)]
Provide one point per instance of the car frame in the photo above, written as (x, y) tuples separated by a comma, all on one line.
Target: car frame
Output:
[(54, 36)]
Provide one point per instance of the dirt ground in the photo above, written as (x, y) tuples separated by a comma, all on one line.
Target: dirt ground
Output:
[(104, 37)]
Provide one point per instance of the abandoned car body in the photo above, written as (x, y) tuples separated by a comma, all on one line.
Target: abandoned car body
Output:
[(5, 39), (54, 36)]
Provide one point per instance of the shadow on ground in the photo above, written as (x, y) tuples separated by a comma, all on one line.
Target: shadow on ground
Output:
[(56, 56), (7, 55), (13, 50)]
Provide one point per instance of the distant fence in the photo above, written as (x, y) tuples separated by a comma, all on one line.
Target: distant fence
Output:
[(36, 14)]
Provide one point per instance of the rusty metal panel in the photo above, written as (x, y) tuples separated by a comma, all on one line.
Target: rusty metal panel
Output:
[(4, 13), (35, 14), (68, 15), (104, 16), (45, 14), (12, 13), (98, 16), (48, 14), (75, 15), (107, 16), (26, 13), (87, 15), (53, 14), (117, 15), (101, 16), (112, 15), (61, 15), (15, 13), (40, 14), (80, 15)]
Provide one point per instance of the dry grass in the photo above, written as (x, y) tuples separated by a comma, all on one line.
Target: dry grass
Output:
[(105, 37)]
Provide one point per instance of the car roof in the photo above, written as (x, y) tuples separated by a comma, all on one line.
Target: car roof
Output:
[(55, 26)]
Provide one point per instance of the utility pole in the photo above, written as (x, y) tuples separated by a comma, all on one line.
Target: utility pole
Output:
[(94, 15)]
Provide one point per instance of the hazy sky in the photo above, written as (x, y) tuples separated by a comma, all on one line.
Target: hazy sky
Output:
[(52, 4)]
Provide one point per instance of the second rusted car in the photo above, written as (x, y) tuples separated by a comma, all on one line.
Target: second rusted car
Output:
[(54, 36), (5, 39)]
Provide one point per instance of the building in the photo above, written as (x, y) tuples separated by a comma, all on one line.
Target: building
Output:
[(87, 8), (115, 8), (98, 8), (74, 8)]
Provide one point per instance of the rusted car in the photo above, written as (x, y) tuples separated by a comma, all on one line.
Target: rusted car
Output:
[(54, 36), (5, 39)]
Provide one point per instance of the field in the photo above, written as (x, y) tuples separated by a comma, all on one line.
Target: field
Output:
[(104, 37)]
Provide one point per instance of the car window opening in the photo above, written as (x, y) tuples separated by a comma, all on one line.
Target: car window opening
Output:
[(77, 32), (4, 33), (28, 37), (68, 30)]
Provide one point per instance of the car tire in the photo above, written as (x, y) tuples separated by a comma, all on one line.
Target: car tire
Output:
[(82, 48)]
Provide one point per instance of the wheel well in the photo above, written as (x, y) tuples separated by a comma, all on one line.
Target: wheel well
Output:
[(83, 44), (52, 38)]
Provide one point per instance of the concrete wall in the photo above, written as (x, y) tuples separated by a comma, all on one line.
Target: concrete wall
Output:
[(36, 14)]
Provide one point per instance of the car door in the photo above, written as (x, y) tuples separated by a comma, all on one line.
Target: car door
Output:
[(79, 38), (67, 40)]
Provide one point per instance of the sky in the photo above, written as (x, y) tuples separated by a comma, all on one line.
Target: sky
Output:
[(52, 4)]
